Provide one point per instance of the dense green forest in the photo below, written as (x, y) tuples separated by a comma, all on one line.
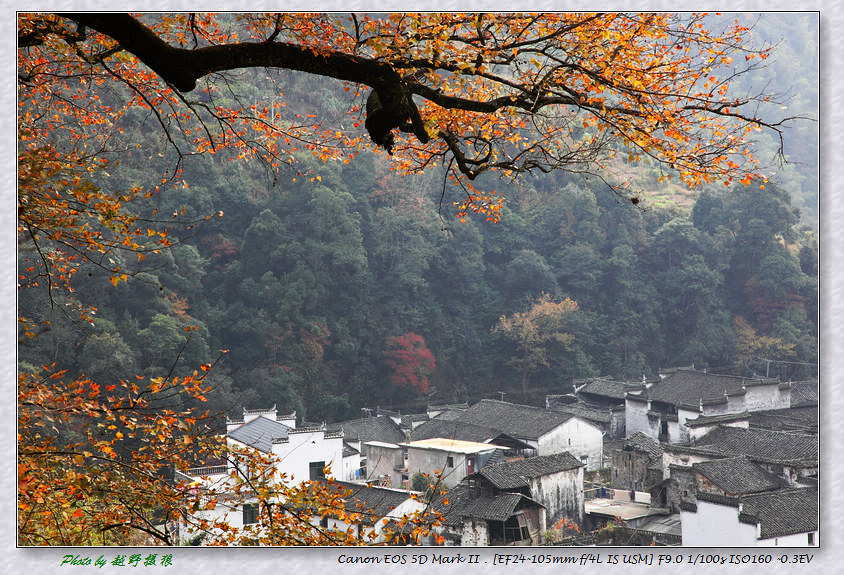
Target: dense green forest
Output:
[(339, 286)]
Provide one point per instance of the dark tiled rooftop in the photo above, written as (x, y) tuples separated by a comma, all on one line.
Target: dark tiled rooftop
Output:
[(738, 476), (702, 420), (514, 474), (371, 502), (454, 429), (643, 442), (260, 433), (784, 512), (609, 388), (778, 513), (760, 444), (804, 393), (686, 386), (519, 421), (589, 413), (803, 419), (461, 505), (371, 429)]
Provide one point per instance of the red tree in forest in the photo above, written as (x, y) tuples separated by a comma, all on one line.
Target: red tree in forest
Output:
[(411, 361)]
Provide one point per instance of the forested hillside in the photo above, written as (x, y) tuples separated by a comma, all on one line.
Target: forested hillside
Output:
[(336, 286), (310, 281)]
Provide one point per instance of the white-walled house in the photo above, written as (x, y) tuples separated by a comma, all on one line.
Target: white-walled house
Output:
[(395, 465), (555, 481), (784, 518), (549, 432), (663, 409), (297, 455)]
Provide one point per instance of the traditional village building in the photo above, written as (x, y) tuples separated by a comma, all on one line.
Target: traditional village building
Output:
[(663, 409), (782, 518), (546, 431), (555, 481)]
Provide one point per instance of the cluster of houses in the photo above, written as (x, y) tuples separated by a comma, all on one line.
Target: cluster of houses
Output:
[(691, 458)]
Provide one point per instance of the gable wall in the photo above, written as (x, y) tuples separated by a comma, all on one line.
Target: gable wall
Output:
[(578, 438), (562, 495)]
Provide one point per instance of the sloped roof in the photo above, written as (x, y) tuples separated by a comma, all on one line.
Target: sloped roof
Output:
[(804, 393), (583, 411), (760, 444), (703, 420), (259, 433), (454, 429), (783, 512), (461, 505), (519, 421), (366, 429), (738, 475), (371, 501), (690, 387), (409, 419), (803, 418), (610, 388), (514, 474)]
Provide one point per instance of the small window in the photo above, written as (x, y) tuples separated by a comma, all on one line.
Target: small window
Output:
[(449, 462), (250, 514), (812, 539), (317, 470)]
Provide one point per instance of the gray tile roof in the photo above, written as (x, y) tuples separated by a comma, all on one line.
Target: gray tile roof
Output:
[(371, 502), (595, 414), (371, 429), (690, 387), (461, 505), (519, 421), (411, 418), (515, 474), (738, 476), (453, 429), (761, 445), (783, 512), (804, 419), (703, 420), (610, 388), (804, 393), (260, 433)]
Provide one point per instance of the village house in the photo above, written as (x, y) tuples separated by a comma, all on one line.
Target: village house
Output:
[(638, 464), (781, 518), (663, 409), (454, 429), (548, 432), (555, 481), (356, 433), (296, 454), (787, 455), (598, 400), (471, 519), (445, 461), (377, 511)]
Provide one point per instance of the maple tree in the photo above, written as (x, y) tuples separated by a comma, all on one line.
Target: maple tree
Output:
[(477, 93), (411, 361)]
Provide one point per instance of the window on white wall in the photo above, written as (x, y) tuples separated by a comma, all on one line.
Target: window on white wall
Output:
[(250, 514), (316, 470)]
